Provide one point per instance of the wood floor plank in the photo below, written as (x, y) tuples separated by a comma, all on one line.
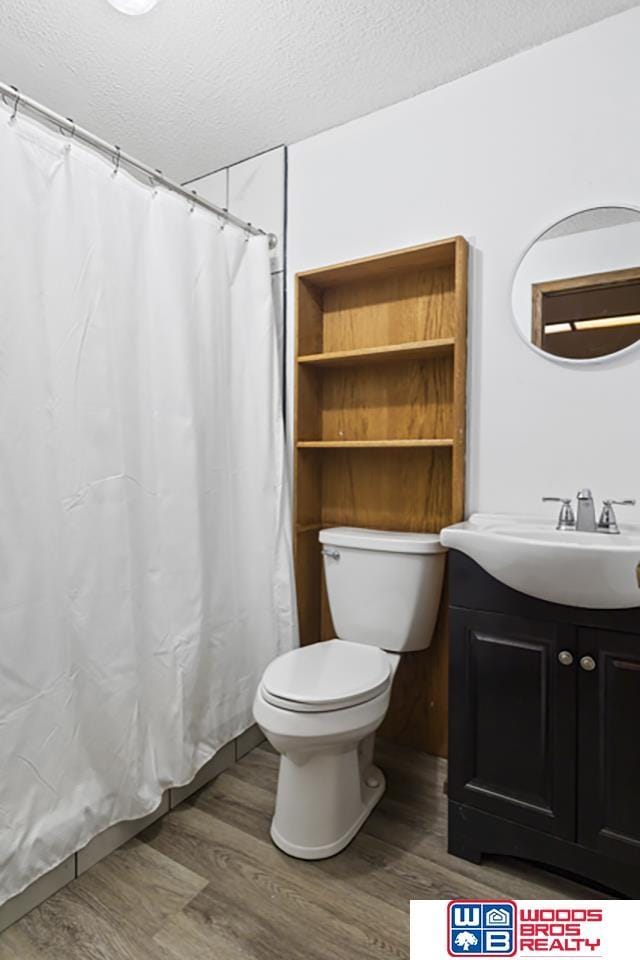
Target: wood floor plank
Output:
[(139, 884), (269, 888), (510, 879), (190, 938), (415, 824), (112, 910), (260, 767), (15, 945), (386, 873), (291, 927), (413, 816), (73, 926), (206, 883)]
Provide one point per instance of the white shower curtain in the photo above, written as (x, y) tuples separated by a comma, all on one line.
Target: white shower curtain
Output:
[(145, 577)]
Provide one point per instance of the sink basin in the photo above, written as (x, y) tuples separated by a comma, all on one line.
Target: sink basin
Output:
[(594, 570)]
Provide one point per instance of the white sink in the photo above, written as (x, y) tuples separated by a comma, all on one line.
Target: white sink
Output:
[(594, 570)]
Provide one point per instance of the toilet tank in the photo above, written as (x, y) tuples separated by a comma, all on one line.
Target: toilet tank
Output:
[(384, 586)]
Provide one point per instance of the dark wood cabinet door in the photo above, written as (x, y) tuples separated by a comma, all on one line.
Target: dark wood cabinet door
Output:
[(512, 719), (609, 744)]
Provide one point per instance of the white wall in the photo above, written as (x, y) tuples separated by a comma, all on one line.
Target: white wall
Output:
[(497, 157)]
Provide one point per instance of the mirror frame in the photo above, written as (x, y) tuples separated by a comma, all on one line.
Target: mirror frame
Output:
[(553, 358)]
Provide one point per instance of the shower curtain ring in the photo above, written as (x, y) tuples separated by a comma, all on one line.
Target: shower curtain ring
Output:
[(15, 104), (4, 96), (192, 205), (72, 132), (116, 160)]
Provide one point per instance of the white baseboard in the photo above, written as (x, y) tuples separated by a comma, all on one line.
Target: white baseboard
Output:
[(225, 757), (248, 741), (37, 892), (112, 838)]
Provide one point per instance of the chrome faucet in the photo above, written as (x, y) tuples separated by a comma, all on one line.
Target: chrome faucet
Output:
[(586, 514), (566, 520), (608, 522)]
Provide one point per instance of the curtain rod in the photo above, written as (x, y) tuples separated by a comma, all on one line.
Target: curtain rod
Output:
[(65, 124)]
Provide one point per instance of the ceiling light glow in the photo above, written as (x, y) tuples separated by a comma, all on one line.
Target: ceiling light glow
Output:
[(133, 7), (631, 319), (557, 328)]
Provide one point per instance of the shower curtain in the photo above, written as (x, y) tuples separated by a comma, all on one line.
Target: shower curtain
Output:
[(145, 577)]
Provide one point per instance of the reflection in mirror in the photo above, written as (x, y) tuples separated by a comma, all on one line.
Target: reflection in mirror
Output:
[(576, 293)]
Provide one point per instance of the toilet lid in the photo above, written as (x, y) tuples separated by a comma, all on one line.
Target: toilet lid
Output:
[(326, 676)]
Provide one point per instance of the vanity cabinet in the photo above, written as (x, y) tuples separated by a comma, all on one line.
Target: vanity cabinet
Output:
[(609, 745), (544, 730), (513, 720)]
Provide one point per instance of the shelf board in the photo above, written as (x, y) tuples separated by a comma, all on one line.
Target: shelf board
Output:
[(309, 527), (427, 256), (415, 350), (370, 444)]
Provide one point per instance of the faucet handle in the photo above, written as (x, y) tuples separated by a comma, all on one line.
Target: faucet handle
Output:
[(567, 519), (608, 522)]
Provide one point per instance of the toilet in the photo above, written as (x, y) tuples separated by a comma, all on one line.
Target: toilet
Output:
[(319, 706)]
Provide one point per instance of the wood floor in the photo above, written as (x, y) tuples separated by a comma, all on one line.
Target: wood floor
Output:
[(205, 882)]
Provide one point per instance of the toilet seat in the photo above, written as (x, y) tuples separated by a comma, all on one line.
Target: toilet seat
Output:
[(326, 676)]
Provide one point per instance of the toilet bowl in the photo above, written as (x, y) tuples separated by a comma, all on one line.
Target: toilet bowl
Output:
[(320, 705)]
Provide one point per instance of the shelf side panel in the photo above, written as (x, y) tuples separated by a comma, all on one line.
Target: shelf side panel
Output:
[(308, 492), (459, 408), (309, 401), (308, 566), (308, 318)]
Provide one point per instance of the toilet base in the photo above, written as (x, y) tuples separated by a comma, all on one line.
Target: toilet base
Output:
[(370, 797)]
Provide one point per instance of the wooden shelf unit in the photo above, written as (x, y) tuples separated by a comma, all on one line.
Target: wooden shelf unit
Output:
[(371, 444), (420, 349), (380, 433)]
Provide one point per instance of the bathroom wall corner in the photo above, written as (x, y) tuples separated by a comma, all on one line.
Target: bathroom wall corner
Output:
[(248, 741)]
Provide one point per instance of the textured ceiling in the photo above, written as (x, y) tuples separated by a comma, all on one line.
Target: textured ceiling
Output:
[(198, 84)]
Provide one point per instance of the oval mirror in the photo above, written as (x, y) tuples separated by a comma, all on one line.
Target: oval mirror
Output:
[(576, 293)]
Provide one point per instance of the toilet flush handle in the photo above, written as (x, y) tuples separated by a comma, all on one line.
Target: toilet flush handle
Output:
[(332, 554)]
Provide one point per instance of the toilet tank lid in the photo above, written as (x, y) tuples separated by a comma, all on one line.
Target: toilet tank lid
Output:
[(391, 541)]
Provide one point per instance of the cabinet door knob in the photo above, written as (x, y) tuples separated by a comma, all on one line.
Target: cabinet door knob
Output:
[(587, 663), (566, 658)]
